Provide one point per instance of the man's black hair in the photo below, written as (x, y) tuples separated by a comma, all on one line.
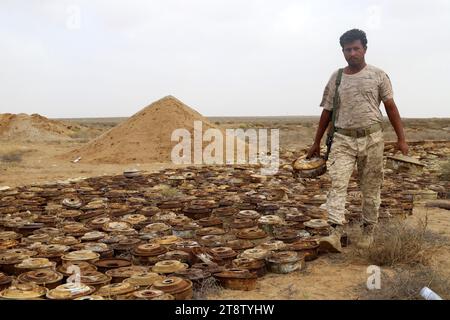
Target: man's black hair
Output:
[(352, 35)]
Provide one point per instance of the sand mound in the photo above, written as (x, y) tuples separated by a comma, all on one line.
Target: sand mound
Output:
[(145, 137), (24, 127)]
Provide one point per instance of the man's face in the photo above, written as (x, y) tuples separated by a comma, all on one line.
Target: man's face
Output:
[(354, 52)]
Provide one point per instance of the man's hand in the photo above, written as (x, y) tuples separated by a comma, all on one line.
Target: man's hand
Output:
[(394, 118), (402, 146), (314, 151)]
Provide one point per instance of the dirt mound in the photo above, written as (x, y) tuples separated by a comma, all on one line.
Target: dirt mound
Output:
[(145, 137), (24, 127)]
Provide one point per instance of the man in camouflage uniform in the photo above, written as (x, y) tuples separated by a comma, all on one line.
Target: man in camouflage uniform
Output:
[(358, 138)]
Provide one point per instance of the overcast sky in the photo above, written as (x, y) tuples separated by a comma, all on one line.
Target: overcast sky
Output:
[(98, 58)]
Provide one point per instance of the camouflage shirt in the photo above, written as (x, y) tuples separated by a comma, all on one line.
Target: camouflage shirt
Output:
[(360, 95)]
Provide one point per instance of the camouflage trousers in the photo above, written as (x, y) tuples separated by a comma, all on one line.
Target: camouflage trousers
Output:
[(367, 154)]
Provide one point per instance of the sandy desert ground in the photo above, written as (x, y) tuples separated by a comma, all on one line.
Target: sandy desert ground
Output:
[(332, 276)]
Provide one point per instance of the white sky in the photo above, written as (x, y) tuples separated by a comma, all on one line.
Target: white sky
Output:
[(222, 57)]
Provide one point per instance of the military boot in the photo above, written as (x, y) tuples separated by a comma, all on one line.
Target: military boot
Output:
[(332, 243), (366, 239)]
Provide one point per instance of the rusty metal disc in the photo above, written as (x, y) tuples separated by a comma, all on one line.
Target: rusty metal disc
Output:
[(120, 274), (152, 294), (69, 291), (45, 277), (169, 266), (23, 291), (83, 266), (178, 255), (144, 279), (104, 265), (239, 244), (180, 288), (149, 250), (116, 289), (237, 279)]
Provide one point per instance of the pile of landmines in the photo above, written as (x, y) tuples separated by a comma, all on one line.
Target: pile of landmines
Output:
[(165, 235)]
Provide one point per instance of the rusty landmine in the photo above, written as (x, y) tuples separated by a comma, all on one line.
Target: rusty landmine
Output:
[(120, 274), (31, 264), (64, 240), (113, 238), (236, 279), (42, 238), (270, 222), (152, 294), (102, 249), (197, 276), (222, 255), (81, 255), (180, 288), (8, 244), (75, 229), (69, 214), (239, 244), (249, 214), (125, 246), (145, 279), (68, 268), (178, 255), (93, 236), (47, 220), (225, 213), (5, 281), (104, 265), (285, 262), (23, 291), (72, 203), (254, 234), (51, 231), (149, 250), (179, 220), (149, 211), (44, 277), (212, 241), (90, 214), (70, 291), (97, 223), (256, 267), (156, 229), (287, 235), (169, 266), (166, 241), (243, 223), (309, 247), (255, 253), (211, 222), (318, 226), (117, 290), (297, 217), (28, 228), (52, 252), (186, 246), (208, 231), (272, 245), (95, 279)]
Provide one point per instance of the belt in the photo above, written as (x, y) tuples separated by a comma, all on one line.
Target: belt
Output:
[(360, 132)]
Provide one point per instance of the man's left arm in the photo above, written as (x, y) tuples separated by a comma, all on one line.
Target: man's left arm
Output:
[(396, 121)]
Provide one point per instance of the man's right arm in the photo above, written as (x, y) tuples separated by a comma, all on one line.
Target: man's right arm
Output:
[(325, 119)]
